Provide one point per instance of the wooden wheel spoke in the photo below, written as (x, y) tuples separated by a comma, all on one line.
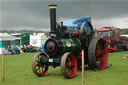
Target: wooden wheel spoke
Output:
[(68, 65), (37, 61), (37, 68), (68, 70), (68, 59), (42, 69), (44, 66), (38, 58), (103, 50), (39, 71)]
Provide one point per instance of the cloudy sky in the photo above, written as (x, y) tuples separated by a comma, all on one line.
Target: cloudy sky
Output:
[(34, 14)]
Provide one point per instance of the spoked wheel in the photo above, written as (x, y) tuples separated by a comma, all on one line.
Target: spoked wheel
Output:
[(68, 65), (97, 54), (37, 67)]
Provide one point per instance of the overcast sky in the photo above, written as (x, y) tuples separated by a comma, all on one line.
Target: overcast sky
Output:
[(34, 14)]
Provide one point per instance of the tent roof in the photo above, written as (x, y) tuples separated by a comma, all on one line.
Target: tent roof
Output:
[(5, 37)]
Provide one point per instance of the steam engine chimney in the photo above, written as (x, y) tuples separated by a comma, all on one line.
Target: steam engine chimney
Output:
[(53, 17)]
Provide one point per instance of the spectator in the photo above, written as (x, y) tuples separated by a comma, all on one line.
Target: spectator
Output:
[(15, 49), (10, 49)]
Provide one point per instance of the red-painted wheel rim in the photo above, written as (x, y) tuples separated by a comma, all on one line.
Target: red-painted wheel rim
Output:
[(101, 55), (38, 68), (41, 69), (71, 65)]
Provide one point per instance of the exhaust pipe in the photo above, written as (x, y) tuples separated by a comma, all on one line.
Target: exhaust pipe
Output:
[(52, 8)]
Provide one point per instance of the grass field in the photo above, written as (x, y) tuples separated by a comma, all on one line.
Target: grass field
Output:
[(18, 71)]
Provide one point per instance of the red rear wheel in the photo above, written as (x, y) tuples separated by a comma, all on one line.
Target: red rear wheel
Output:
[(69, 65), (38, 68), (101, 55), (97, 54)]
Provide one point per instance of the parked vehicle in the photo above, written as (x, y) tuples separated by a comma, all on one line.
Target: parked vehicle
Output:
[(114, 41), (24, 38)]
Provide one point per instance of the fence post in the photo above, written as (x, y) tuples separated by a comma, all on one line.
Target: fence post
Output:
[(2, 64), (83, 77)]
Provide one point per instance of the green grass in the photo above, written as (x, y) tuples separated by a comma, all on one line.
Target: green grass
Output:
[(18, 71)]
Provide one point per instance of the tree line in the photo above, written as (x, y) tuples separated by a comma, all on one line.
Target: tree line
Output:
[(30, 31), (122, 31)]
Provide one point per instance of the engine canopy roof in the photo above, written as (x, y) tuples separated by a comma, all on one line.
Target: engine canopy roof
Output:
[(76, 22)]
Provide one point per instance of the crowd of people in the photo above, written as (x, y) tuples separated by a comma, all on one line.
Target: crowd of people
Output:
[(15, 49)]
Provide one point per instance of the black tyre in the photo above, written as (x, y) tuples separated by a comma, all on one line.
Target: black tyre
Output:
[(97, 54)]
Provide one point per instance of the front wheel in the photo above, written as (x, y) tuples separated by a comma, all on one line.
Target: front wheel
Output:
[(68, 65), (97, 54), (37, 67)]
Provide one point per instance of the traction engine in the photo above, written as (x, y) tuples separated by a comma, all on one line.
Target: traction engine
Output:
[(65, 44)]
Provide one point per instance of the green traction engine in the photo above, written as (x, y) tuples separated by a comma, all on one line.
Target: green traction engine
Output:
[(63, 48)]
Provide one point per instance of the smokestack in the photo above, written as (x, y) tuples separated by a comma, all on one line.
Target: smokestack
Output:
[(53, 17)]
